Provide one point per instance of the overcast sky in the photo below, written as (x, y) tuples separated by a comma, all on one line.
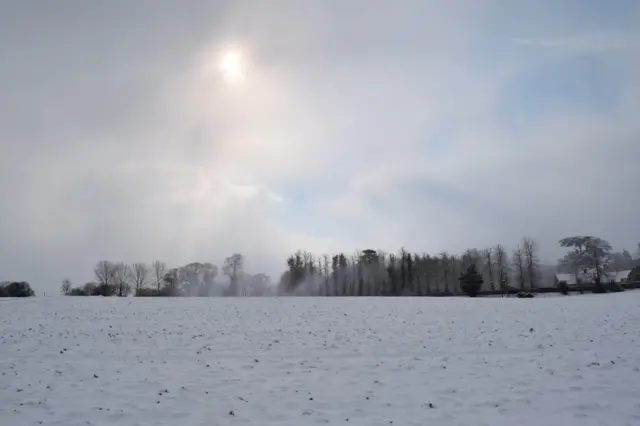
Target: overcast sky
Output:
[(434, 125)]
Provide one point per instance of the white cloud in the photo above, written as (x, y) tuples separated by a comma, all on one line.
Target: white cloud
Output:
[(588, 43)]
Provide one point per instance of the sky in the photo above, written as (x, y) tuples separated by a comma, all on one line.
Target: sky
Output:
[(433, 125)]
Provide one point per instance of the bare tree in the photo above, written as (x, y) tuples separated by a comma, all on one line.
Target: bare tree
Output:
[(66, 286), (418, 274), (470, 257), (159, 271), (326, 273), (430, 269), (209, 274), (232, 266), (502, 268), (445, 267), (402, 256), (140, 276), (531, 260), (489, 268), (455, 269), (122, 279), (353, 282), (518, 263), (379, 273), (105, 273)]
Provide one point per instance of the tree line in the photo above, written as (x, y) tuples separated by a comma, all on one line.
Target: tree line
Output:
[(495, 270), (195, 279)]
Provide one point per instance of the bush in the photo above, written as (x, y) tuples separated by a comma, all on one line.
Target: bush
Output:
[(615, 287), (103, 290), (563, 287), (17, 289), (471, 281), (599, 288), (171, 291), (166, 291), (77, 291), (147, 292)]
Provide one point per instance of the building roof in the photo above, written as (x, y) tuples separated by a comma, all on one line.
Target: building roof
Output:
[(587, 276), (622, 275)]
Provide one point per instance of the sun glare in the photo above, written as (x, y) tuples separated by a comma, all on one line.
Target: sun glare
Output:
[(232, 66)]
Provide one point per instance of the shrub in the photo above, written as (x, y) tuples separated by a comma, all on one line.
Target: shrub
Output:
[(471, 281), (90, 289), (599, 288), (77, 291), (171, 291), (17, 289), (147, 292), (615, 287), (563, 287), (103, 290)]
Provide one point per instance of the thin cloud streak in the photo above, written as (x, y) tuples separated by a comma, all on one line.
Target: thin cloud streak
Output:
[(587, 44)]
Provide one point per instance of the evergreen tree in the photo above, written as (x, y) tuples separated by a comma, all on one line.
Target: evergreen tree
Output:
[(471, 281)]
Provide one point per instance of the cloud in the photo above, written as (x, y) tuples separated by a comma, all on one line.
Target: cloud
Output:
[(587, 44), (426, 125)]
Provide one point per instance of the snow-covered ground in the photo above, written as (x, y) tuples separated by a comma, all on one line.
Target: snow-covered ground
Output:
[(307, 361)]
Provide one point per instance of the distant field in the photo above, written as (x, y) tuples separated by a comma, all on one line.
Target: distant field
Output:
[(308, 361)]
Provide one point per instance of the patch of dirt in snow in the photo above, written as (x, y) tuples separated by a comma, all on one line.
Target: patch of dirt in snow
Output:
[(305, 361)]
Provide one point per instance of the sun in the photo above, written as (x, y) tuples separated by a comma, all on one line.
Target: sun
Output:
[(232, 66)]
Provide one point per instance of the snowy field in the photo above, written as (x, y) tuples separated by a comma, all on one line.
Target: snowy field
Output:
[(302, 361)]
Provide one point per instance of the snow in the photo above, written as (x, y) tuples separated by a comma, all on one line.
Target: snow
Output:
[(307, 361)]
